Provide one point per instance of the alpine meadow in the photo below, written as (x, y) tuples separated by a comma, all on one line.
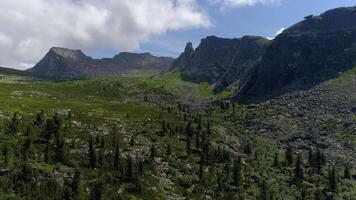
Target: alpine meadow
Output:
[(245, 118)]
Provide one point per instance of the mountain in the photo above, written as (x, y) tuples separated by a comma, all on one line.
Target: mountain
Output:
[(67, 63), (306, 54), (220, 61), (312, 51)]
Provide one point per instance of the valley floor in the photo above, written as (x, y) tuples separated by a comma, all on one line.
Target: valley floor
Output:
[(164, 138)]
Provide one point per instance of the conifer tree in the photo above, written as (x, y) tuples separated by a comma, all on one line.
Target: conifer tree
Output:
[(76, 185), (332, 179), (289, 156), (276, 160), (152, 153), (92, 154), (298, 170), (188, 145), (347, 174), (14, 123), (237, 172), (168, 150), (59, 147), (117, 156), (201, 165), (129, 169)]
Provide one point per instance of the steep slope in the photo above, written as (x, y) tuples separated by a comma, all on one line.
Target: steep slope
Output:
[(67, 63), (220, 61), (312, 51)]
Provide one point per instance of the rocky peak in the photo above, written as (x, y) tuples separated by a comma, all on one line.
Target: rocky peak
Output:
[(189, 49), (127, 55), (67, 53)]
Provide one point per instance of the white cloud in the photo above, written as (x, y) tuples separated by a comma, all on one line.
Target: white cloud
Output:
[(242, 3), (28, 28)]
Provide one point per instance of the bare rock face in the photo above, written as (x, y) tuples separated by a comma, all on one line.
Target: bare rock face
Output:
[(67, 63), (220, 61), (306, 54)]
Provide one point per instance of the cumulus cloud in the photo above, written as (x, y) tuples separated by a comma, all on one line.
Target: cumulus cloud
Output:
[(241, 3), (29, 28)]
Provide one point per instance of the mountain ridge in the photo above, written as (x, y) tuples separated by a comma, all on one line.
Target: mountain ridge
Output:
[(67, 63)]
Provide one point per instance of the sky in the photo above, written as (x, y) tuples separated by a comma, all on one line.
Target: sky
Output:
[(103, 28)]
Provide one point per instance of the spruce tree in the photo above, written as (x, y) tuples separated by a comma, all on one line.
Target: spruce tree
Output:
[(152, 153), (298, 171), (347, 174), (237, 172), (289, 156), (332, 179), (129, 169), (59, 147), (276, 160), (92, 154), (117, 156)]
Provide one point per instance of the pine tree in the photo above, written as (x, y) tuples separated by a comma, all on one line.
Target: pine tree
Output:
[(332, 181), (264, 191), (318, 194), (188, 146), (76, 185), (97, 191), (117, 156), (140, 168), (347, 174), (6, 154), (168, 150), (319, 161), (237, 172), (92, 154), (201, 165), (152, 153), (129, 168), (14, 123), (298, 170), (39, 119), (59, 147), (26, 147), (289, 156), (276, 160)]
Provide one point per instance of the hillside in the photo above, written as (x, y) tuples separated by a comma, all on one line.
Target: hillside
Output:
[(166, 138), (67, 63), (310, 52)]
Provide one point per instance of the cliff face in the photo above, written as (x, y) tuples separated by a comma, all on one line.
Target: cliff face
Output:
[(312, 51), (220, 61), (67, 63)]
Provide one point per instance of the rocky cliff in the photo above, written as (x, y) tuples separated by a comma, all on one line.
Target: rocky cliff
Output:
[(310, 52), (220, 61)]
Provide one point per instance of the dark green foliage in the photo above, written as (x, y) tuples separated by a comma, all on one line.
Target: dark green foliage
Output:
[(237, 172), (92, 154), (347, 174), (332, 179), (289, 157), (298, 170)]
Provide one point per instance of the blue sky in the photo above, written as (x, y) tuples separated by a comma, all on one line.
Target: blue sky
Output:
[(263, 20)]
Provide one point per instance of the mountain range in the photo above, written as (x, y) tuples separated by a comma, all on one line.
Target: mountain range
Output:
[(252, 67), (67, 63)]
